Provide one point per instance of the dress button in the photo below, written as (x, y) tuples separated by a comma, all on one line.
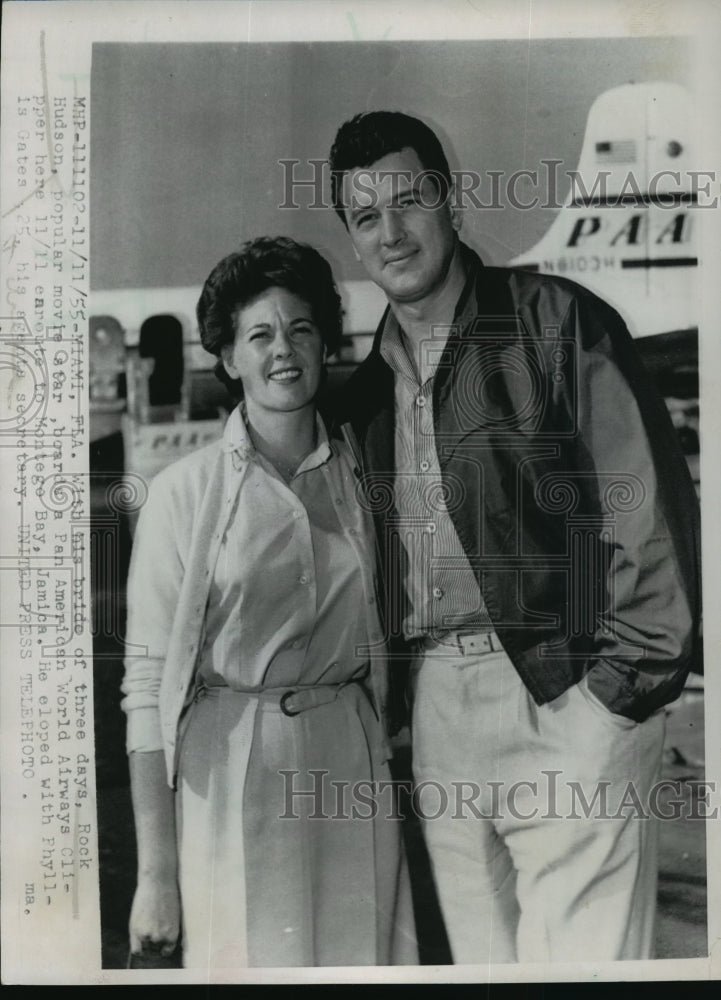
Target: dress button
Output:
[(437, 592), (420, 401), (338, 501), (302, 578), (431, 528), (425, 466)]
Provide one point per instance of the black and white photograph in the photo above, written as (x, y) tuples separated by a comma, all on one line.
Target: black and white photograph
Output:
[(357, 447)]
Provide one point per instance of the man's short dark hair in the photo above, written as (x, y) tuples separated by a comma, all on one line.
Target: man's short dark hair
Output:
[(371, 135), (261, 264)]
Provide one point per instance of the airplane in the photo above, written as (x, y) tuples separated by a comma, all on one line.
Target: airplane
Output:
[(628, 232)]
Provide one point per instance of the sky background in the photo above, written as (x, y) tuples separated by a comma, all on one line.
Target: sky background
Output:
[(186, 138)]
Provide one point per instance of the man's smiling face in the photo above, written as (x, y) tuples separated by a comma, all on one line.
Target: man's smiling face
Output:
[(401, 232)]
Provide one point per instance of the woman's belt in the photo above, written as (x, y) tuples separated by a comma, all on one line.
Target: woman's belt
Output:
[(290, 700)]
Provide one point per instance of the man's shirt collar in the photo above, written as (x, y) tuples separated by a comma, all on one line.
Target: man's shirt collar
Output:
[(392, 341)]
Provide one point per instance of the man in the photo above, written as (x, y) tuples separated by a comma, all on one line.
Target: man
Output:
[(537, 532)]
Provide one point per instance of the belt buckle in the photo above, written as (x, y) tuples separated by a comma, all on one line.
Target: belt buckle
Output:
[(283, 706), (479, 642)]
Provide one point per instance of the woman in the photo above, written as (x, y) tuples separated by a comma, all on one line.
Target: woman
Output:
[(254, 677)]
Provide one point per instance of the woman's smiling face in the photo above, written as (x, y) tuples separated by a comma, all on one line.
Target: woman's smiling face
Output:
[(277, 353)]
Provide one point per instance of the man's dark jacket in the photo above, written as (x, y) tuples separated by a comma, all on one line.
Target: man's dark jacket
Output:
[(565, 482)]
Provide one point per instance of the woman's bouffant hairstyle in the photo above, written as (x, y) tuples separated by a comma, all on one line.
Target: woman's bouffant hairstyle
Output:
[(260, 264)]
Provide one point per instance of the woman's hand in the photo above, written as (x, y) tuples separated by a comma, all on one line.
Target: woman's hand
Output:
[(155, 915)]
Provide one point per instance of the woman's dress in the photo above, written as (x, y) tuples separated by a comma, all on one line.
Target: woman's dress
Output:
[(289, 842)]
